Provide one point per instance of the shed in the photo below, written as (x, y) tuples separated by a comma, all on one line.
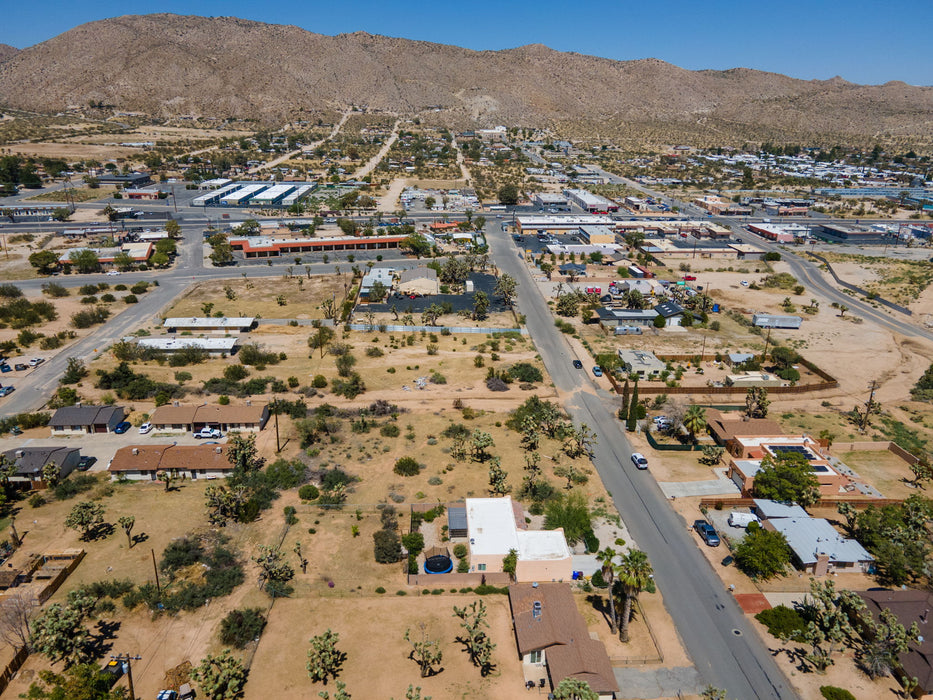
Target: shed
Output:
[(776, 321)]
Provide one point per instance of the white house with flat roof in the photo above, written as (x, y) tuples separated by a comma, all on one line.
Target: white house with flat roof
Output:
[(214, 346), (496, 526)]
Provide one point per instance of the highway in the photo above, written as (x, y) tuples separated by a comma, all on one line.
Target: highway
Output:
[(725, 649)]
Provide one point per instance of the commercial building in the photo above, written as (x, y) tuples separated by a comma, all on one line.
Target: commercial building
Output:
[(219, 347), (272, 196), (496, 526), (267, 247), (559, 224), (138, 252), (144, 193), (722, 207), (848, 233), (84, 420), (590, 202), (777, 321), (207, 324), (553, 640), (597, 235), (128, 181), (179, 418), (297, 195), (641, 362), (241, 195), (145, 462), (214, 196), (551, 200)]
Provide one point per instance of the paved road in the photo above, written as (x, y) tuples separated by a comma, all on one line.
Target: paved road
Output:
[(726, 651)]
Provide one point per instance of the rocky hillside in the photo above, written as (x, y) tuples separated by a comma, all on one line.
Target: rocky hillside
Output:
[(169, 65), (7, 51)]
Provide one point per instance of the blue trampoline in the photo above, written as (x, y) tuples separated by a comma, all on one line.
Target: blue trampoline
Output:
[(438, 564)]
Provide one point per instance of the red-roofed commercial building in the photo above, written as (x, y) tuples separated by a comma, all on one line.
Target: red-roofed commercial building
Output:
[(265, 247)]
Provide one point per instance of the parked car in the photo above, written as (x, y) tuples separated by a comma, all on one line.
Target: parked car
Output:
[(5, 368), (145, 428), (85, 462), (577, 364), (207, 433), (6, 390), (744, 283), (742, 520), (597, 371), (706, 532), (16, 430), (122, 427), (690, 278), (36, 361), (19, 367), (638, 459)]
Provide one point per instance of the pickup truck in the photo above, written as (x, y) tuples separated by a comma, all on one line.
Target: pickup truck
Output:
[(207, 433)]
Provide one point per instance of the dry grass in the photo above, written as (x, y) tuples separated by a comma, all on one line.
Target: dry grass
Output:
[(78, 194)]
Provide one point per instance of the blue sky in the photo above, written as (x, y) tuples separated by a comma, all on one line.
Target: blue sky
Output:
[(864, 42)]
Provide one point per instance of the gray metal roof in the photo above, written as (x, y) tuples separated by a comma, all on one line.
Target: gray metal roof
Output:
[(812, 537), (457, 518), (30, 460), (773, 509)]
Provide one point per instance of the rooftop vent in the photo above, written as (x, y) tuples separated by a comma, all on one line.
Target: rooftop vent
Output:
[(536, 610), (135, 451), (218, 450)]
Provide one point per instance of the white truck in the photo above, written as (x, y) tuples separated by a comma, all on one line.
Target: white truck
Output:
[(207, 433), (742, 520)]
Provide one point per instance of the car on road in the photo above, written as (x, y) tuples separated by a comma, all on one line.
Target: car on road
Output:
[(145, 428), (19, 367), (112, 273), (36, 361), (690, 278), (706, 532), (744, 283), (85, 462), (577, 364), (4, 391), (207, 433), (638, 459), (597, 371), (122, 427)]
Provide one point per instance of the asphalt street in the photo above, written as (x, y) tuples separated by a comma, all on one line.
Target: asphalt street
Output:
[(725, 649)]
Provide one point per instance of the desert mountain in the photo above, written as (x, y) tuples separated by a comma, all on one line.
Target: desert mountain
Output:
[(169, 65), (7, 51)]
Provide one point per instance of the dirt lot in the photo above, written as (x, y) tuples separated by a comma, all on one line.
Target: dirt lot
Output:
[(302, 297)]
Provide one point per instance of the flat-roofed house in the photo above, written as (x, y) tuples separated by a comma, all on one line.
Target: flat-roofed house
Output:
[(496, 526), (82, 420), (553, 641), (207, 324)]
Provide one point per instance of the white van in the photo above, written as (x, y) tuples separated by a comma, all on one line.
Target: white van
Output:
[(741, 519)]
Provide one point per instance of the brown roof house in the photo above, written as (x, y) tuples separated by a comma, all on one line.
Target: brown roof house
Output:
[(81, 420), (553, 640), (184, 419), (144, 462), (909, 607)]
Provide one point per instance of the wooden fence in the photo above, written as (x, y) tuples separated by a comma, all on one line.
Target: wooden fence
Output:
[(891, 447), (725, 503), (11, 668)]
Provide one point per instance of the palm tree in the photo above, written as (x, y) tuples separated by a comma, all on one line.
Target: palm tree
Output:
[(607, 559), (695, 420), (635, 575)]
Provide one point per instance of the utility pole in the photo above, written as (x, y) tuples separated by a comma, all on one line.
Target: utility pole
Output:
[(275, 404), (127, 659), (764, 355), (156, 570), (869, 405)]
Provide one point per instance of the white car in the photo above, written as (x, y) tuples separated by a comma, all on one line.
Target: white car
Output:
[(145, 428), (112, 273), (744, 283), (638, 459), (36, 361)]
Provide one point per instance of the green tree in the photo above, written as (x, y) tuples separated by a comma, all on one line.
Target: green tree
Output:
[(480, 442), (712, 693), (829, 616), (632, 421), (122, 261), (476, 638), (430, 315), (505, 289), (635, 575), (607, 559), (85, 516), (221, 677), (885, 639), (173, 229), (324, 659), (84, 260), (127, 522), (695, 420), (510, 563), (567, 305), (756, 402), (508, 194), (762, 554), (574, 689), (480, 305), (498, 479), (321, 338), (787, 477), (571, 513), (45, 261), (243, 455), (59, 634)]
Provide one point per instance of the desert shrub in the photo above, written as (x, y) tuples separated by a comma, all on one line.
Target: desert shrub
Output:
[(525, 372), (334, 478), (235, 373), (319, 381), (90, 317), (413, 543), (348, 388), (293, 382), (373, 351), (460, 550), (182, 377), (36, 500), (831, 692), (253, 354), (72, 486), (54, 290), (308, 492), (496, 384), (130, 299), (240, 627), (390, 430), (437, 378), (407, 466), (86, 290), (387, 547), (140, 288), (285, 474), (782, 621), (412, 564)]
